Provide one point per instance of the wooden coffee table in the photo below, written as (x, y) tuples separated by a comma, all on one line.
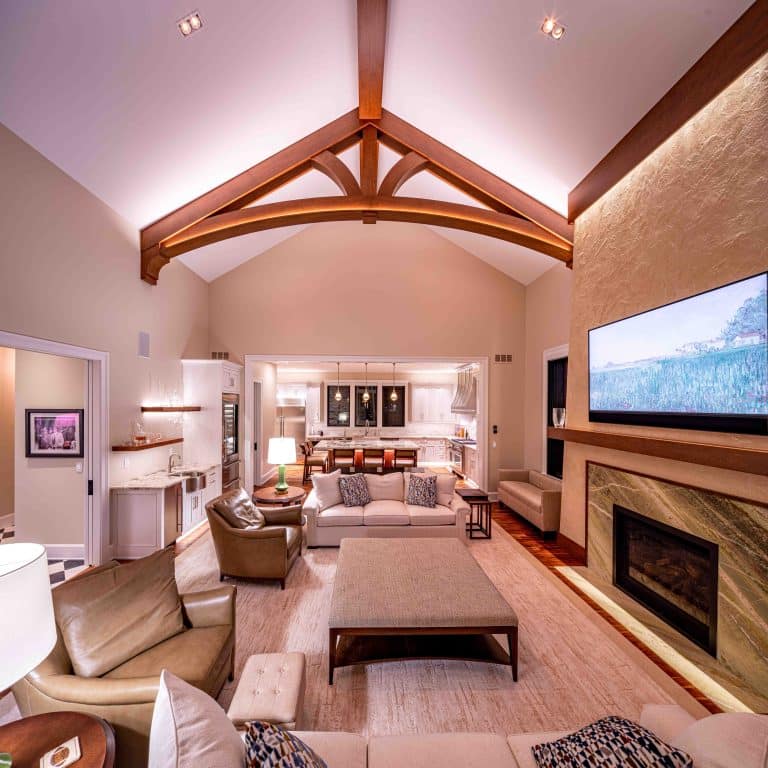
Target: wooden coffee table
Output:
[(294, 495), (28, 739), (392, 601)]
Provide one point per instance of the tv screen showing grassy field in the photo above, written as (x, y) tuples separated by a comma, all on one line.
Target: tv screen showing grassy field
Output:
[(703, 355)]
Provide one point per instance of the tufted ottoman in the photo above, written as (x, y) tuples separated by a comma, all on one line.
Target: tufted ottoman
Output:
[(271, 688)]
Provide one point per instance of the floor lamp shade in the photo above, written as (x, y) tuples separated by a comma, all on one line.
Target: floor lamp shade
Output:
[(27, 627)]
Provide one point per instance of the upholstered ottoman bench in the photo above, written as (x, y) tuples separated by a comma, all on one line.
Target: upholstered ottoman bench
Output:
[(271, 688)]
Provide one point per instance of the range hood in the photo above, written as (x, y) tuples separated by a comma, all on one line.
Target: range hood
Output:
[(290, 402), (465, 400)]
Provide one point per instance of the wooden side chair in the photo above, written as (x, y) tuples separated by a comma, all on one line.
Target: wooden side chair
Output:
[(405, 458), (373, 460), (313, 460), (342, 458)]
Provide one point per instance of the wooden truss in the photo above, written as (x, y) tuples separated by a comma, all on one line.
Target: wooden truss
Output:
[(231, 209)]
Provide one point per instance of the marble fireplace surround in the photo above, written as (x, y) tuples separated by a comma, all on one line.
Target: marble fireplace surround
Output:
[(740, 529)]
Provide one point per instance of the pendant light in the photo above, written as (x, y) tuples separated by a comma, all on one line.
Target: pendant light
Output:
[(393, 393), (337, 396), (366, 394)]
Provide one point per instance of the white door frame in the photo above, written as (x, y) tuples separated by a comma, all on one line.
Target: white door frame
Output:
[(257, 415), (96, 534), (482, 406), (553, 353)]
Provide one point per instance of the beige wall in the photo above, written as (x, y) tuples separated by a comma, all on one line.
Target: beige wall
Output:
[(7, 421), (50, 493), (692, 216), (547, 325), (388, 289), (74, 267)]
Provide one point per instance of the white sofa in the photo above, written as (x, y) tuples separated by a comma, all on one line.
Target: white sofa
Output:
[(386, 515)]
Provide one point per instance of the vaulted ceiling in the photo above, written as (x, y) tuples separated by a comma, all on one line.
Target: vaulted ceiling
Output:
[(147, 120)]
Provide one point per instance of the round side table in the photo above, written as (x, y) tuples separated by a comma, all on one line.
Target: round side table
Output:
[(294, 495), (28, 739)]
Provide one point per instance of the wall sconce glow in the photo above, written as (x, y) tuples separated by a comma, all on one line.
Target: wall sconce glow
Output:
[(551, 28), (189, 24)]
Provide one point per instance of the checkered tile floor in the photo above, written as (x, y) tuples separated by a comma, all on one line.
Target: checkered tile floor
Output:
[(58, 570)]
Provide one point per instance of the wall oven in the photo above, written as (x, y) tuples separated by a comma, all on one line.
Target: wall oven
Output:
[(230, 457), (456, 458)]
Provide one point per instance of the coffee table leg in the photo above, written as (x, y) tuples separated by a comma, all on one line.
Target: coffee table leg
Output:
[(512, 640), (332, 637)]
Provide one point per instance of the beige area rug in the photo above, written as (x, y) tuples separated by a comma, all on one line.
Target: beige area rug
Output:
[(574, 668)]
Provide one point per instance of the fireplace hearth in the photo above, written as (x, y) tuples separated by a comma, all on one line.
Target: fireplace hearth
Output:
[(671, 572)]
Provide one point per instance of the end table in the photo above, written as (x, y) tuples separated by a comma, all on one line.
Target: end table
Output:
[(269, 495), (479, 525)]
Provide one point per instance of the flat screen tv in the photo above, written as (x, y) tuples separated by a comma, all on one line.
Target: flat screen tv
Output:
[(699, 363)]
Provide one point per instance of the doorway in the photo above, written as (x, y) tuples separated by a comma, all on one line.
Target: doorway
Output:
[(554, 391), (257, 418)]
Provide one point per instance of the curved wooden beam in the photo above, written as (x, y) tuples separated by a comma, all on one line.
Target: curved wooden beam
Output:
[(335, 169), (311, 210), (407, 166)]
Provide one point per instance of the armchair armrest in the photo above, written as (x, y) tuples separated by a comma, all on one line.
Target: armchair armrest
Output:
[(211, 608), (99, 691), (310, 507), (291, 515), (517, 475), (665, 720)]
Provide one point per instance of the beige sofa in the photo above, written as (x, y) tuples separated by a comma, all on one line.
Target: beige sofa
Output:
[(386, 515), (738, 741), (533, 495)]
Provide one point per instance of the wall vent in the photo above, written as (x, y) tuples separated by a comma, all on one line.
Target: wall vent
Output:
[(503, 358), (220, 355)]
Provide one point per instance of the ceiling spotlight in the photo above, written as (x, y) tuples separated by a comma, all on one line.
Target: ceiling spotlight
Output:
[(551, 28), (189, 24)]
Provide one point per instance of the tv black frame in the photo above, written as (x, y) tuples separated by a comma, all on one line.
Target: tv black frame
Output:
[(745, 424)]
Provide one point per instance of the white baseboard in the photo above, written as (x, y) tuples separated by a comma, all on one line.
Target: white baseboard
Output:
[(65, 551), (6, 521)]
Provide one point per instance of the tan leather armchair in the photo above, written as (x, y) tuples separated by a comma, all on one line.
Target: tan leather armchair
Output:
[(254, 542), (203, 655)]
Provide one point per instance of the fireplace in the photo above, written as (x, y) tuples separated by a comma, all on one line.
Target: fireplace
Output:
[(670, 572)]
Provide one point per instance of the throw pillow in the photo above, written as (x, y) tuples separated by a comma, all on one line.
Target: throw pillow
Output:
[(327, 490), (382, 487), (422, 490), (190, 728), (269, 746), (612, 742), (354, 490), (239, 510), (446, 486), (727, 740), (112, 615)]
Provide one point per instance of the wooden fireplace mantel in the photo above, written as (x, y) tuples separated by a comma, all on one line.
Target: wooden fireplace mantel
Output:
[(752, 460)]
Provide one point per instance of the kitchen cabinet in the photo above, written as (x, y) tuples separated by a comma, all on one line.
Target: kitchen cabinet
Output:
[(432, 450), (144, 520), (194, 510), (471, 464), (431, 403), (212, 486), (230, 378)]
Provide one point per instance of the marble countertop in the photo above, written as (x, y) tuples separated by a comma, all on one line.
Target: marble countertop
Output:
[(160, 480), (367, 442), (386, 438)]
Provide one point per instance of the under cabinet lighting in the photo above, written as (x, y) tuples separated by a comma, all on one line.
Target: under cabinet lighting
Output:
[(189, 24), (551, 28)]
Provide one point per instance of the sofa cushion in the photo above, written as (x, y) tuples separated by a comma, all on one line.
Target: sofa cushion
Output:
[(386, 512), (727, 740), (437, 515), (339, 515), (446, 487), (525, 492), (422, 490), (545, 482), (239, 510), (354, 490), (327, 491), (522, 745), (190, 728), (193, 655), (269, 746), (114, 614), (447, 750), (385, 486), (338, 749)]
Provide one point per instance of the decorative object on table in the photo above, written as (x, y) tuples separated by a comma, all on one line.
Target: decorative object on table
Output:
[(558, 417), (282, 451), (63, 755), (54, 432)]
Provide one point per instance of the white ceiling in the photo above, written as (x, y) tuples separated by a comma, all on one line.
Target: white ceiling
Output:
[(375, 370), (110, 92)]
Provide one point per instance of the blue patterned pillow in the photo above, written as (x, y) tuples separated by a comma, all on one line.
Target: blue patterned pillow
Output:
[(422, 490), (269, 746), (354, 490), (612, 742)]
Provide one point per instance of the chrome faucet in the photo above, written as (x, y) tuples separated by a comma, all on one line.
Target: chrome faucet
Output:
[(170, 461)]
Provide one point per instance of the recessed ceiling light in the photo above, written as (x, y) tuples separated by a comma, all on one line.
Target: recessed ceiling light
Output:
[(551, 28), (189, 24)]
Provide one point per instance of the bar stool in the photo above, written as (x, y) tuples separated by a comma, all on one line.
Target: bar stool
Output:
[(313, 459), (405, 458), (373, 459), (342, 458)]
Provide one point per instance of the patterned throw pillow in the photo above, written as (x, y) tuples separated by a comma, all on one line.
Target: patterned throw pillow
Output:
[(269, 746), (422, 490), (354, 490), (612, 742)]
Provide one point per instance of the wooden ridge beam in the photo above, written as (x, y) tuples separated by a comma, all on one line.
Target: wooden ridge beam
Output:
[(327, 163), (371, 41), (406, 167), (369, 163), (467, 175), (733, 53), (318, 209)]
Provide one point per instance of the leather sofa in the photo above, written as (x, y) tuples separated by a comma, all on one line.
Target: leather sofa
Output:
[(533, 495), (386, 515), (202, 654), (254, 542)]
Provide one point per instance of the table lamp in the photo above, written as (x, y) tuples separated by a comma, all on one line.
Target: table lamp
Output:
[(27, 627), (282, 451)]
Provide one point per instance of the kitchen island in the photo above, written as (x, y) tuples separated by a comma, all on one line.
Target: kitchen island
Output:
[(360, 443)]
